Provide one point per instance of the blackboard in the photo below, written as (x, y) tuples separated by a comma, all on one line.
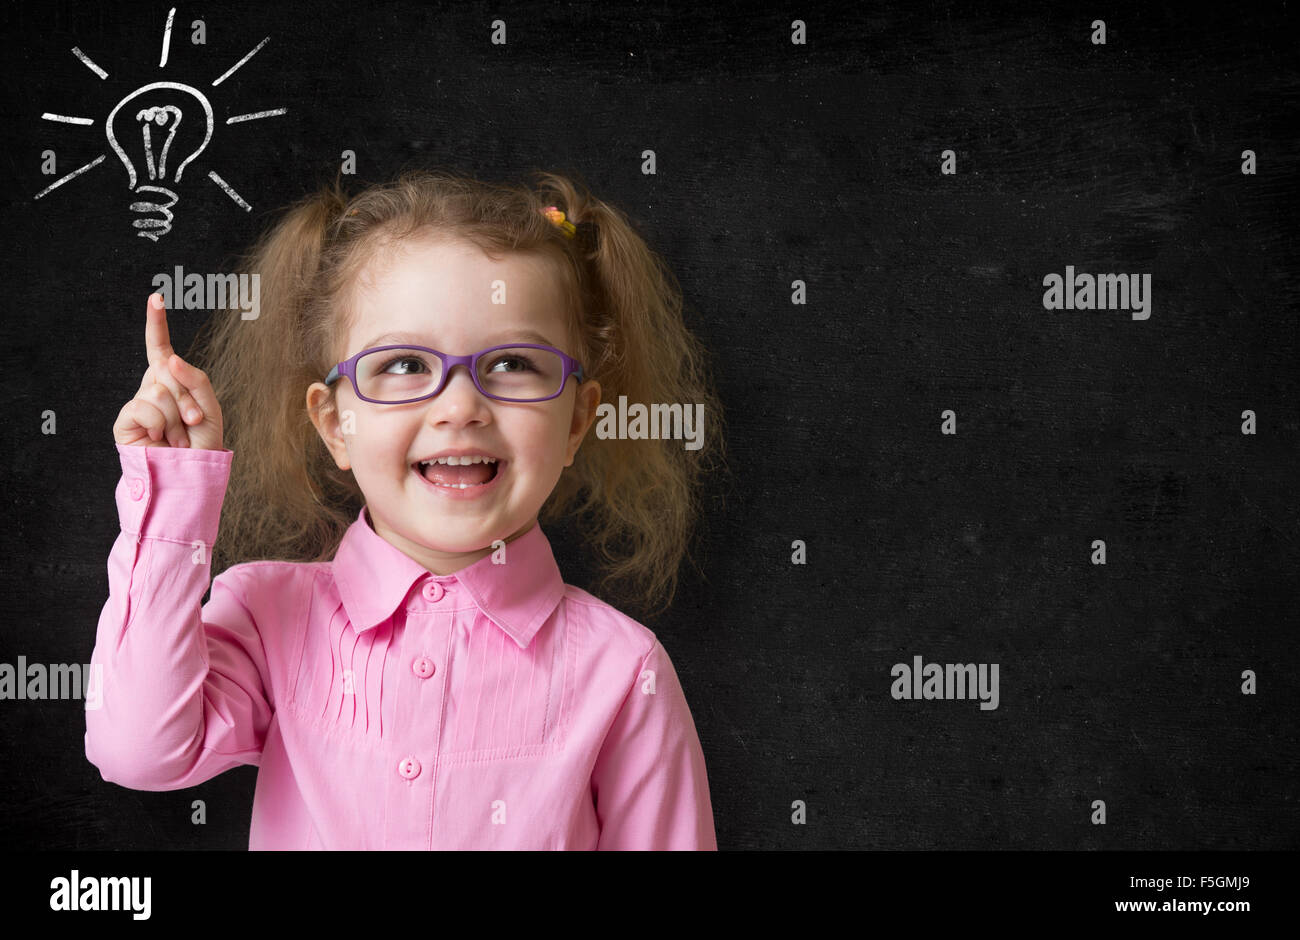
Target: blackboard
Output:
[(949, 451)]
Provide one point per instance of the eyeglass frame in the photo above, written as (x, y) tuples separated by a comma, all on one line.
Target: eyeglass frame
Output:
[(348, 367)]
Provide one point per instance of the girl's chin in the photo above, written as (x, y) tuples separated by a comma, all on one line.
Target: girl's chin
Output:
[(454, 548)]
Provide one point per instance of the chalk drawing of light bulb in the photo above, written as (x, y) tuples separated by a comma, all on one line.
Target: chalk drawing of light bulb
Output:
[(156, 131), (148, 122)]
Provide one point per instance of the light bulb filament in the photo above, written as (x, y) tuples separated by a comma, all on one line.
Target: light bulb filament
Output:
[(158, 115)]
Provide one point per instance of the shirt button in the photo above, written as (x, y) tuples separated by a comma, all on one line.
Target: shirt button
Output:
[(422, 667), (137, 488), (433, 591), (409, 768)]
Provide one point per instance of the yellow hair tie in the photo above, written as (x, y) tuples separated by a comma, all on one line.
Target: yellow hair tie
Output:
[(557, 217)]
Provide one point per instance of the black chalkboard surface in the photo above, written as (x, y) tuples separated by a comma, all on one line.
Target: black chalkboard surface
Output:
[(1002, 312)]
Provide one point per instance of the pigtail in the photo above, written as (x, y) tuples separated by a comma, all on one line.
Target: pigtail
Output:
[(278, 504), (637, 500)]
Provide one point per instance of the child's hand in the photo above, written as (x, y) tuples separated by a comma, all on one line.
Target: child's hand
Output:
[(172, 389)]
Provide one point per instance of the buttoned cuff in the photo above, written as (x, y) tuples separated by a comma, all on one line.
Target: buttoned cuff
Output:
[(172, 493)]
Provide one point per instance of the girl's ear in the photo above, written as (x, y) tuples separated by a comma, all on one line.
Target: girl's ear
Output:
[(584, 413), (325, 417)]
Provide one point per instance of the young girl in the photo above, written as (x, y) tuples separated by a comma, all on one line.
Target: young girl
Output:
[(409, 670)]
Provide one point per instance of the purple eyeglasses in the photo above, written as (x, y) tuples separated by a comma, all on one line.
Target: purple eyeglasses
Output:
[(541, 374)]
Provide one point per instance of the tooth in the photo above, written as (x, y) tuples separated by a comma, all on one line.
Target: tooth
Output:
[(459, 461)]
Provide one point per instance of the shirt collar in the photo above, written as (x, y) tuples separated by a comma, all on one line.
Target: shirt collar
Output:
[(374, 577)]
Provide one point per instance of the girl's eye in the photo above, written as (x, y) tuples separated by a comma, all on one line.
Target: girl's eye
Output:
[(513, 363), (388, 365)]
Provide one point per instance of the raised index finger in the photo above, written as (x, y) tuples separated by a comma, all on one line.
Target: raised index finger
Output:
[(157, 340)]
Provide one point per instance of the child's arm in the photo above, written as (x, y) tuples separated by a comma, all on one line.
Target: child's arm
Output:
[(649, 782), (183, 693)]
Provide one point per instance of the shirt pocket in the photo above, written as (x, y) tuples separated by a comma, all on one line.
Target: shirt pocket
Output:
[(503, 702)]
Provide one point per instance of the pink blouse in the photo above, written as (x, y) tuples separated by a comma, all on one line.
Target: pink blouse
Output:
[(385, 707)]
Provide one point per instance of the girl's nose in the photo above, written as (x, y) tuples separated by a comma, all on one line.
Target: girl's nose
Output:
[(459, 400)]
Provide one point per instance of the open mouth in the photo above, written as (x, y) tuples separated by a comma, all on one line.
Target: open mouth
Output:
[(462, 476)]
